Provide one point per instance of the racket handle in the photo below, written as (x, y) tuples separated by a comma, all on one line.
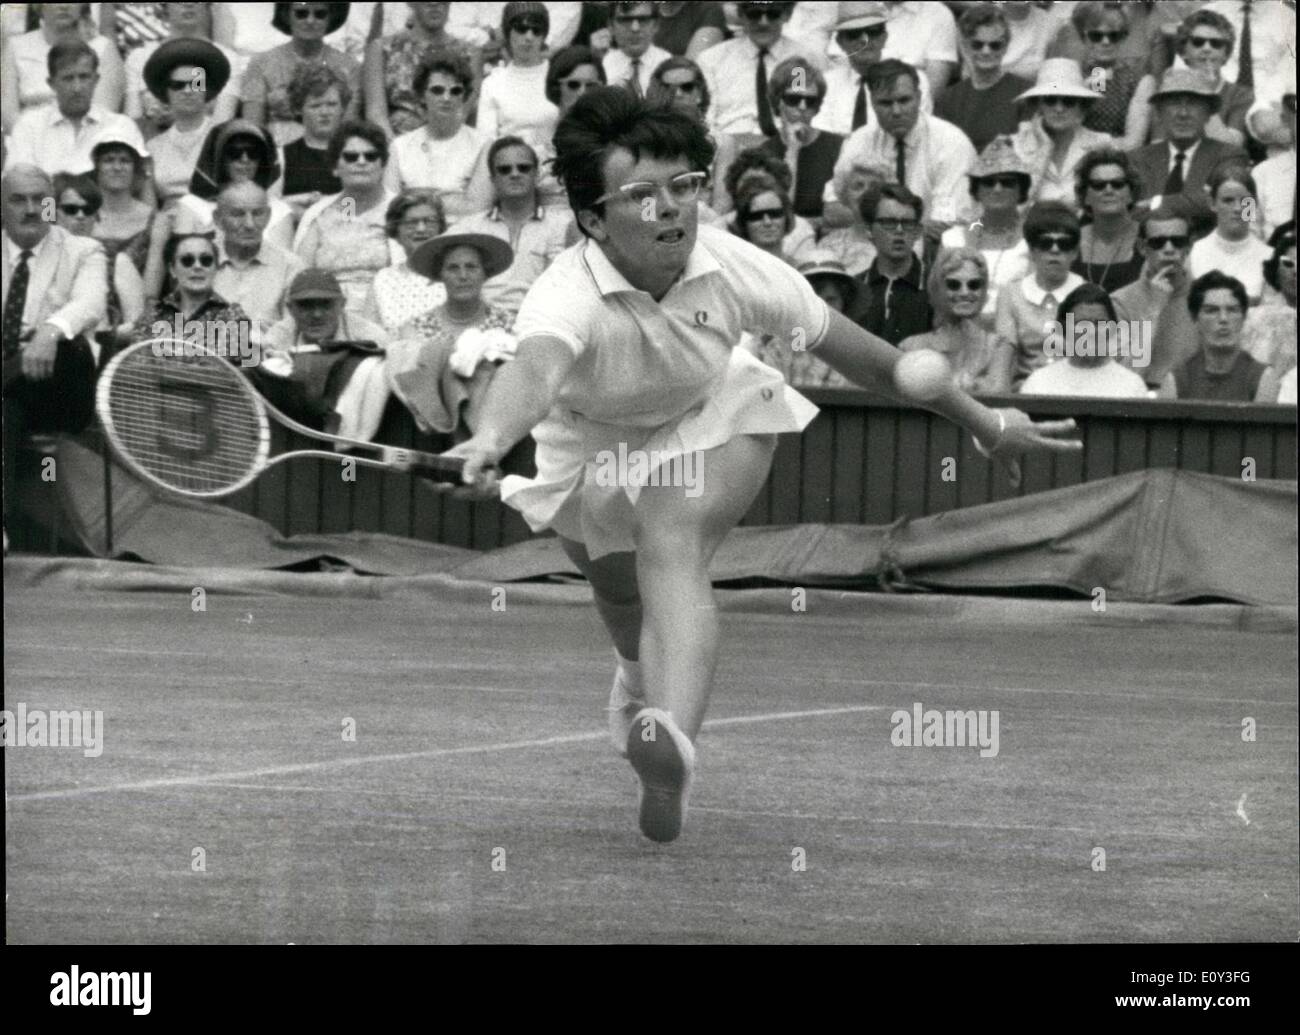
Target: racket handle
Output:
[(428, 465)]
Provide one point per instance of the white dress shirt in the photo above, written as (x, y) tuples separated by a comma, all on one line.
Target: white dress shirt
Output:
[(937, 158), (921, 32), (44, 138), (618, 67), (1275, 179), (456, 168), (730, 69)]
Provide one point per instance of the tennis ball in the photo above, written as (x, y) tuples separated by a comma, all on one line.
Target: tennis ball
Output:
[(923, 375)]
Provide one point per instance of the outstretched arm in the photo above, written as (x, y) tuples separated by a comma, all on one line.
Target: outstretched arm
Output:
[(1006, 434)]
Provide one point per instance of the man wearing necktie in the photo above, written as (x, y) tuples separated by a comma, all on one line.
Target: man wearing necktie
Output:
[(55, 292), (634, 56)]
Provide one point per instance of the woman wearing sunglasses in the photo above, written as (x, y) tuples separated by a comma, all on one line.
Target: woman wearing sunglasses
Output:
[(957, 286), (444, 154), (398, 293), (796, 90), (1123, 87), (1054, 141), (346, 233), (1107, 189), (1205, 42), (572, 73), (1270, 332), (266, 81), (513, 99), (79, 203), (391, 101), (764, 216), (191, 262), (1028, 305)]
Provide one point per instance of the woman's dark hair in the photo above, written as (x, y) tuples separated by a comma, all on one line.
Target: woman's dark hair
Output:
[(750, 193), (563, 62), (785, 75), (1230, 171), (873, 196), (519, 11), (658, 93), (448, 62), (316, 81), (1213, 281), (174, 242), (1088, 14), (1086, 294), (501, 143), (1099, 156), (757, 159), (978, 16), (1281, 241), (409, 199), (367, 131), (610, 119), (1050, 217), (1211, 20), (83, 184)]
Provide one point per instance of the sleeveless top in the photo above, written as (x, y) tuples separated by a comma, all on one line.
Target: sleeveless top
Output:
[(1239, 384), (307, 169)]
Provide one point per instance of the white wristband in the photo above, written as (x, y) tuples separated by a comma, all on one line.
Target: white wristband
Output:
[(987, 451)]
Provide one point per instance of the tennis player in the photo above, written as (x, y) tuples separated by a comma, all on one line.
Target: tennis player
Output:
[(627, 347)]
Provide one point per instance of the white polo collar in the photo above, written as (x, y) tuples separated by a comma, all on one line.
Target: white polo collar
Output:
[(701, 262)]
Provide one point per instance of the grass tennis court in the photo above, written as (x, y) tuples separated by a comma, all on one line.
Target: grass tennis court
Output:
[(479, 730)]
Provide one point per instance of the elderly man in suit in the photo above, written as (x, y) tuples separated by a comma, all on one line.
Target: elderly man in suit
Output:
[(55, 292), (1183, 161)]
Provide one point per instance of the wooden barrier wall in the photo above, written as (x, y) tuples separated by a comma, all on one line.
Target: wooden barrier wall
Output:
[(864, 460)]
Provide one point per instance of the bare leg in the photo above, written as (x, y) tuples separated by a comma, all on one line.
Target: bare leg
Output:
[(618, 598), (677, 537)]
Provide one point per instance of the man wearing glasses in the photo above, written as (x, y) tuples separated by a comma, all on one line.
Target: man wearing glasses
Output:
[(737, 73), (627, 348), (895, 304), (634, 57), (861, 31), (536, 232)]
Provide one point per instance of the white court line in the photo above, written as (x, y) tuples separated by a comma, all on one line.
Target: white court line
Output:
[(339, 763)]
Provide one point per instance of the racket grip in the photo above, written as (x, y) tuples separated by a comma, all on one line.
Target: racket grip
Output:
[(436, 468)]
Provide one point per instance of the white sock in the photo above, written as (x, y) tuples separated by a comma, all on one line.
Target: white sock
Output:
[(631, 671)]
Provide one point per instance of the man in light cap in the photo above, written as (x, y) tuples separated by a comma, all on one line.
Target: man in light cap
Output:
[(1183, 161), (324, 366), (861, 31)]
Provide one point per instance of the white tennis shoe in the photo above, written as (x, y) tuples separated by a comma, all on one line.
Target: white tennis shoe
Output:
[(625, 700), (664, 760)]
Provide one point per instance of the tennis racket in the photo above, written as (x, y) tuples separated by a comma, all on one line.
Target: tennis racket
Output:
[(195, 426)]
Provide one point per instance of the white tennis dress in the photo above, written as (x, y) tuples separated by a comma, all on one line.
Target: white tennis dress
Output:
[(661, 377)]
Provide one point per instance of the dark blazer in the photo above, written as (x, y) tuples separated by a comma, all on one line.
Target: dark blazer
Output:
[(1152, 165)]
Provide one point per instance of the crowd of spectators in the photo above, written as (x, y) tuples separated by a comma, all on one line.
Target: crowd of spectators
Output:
[(954, 176)]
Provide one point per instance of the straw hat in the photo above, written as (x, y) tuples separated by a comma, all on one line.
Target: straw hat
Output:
[(859, 14), (427, 258), (116, 138), (1059, 77), (823, 264), (999, 156), (1179, 82)]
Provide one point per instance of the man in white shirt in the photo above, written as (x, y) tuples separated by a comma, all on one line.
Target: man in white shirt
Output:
[(925, 36), (931, 157), (251, 270), (733, 70), (58, 137), (1275, 179), (862, 32), (634, 57)]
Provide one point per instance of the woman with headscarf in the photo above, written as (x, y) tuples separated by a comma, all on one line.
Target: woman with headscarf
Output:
[(235, 151)]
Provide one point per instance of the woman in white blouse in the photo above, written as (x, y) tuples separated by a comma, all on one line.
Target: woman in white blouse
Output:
[(444, 154), (1233, 247), (398, 294), (24, 77), (513, 98)]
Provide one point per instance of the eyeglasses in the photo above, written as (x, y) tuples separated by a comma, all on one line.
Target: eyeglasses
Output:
[(763, 14), (992, 46), (353, 157), (302, 14), (631, 20), (243, 151), (78, 210), (1008, 181), (1102, 36), (682, 189), (1118, 183), (417, 221), (1060, 102), (898, 225), (758, 215), (448, 91), (1160, 243), (583, 85), (523, 168), (956, 284), (871, 32), (207, 260), (529, 27), (180, 84), (682, 88), (1055, 243), (1216, 42), (801, 100)]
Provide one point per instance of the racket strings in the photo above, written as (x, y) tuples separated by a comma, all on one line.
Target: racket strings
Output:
[(189, 421)]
